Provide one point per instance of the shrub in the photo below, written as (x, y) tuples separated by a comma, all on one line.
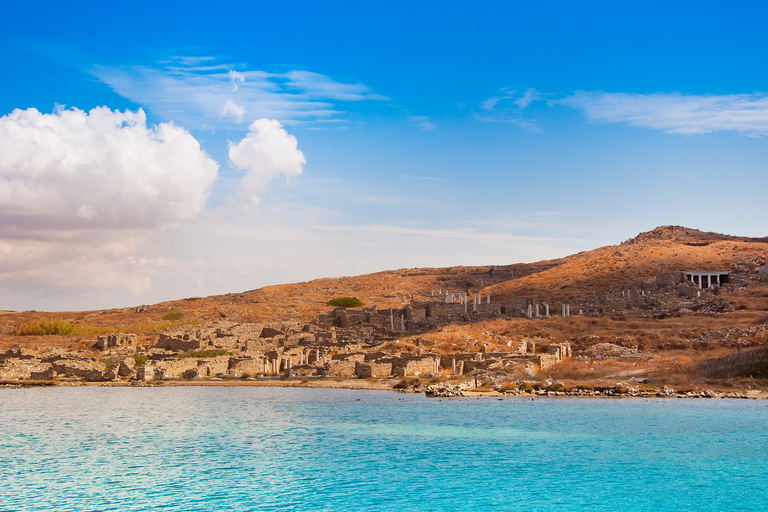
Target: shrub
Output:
[(345, 302), (139, 359), (45, 328), (173, 316)]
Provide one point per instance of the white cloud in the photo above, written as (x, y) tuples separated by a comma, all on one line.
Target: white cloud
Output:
[(235, 77), (197, 96), (675, 112), (265, 153), (508, 106), (423, 123), (98, 169), (81, 192), (233, 109)]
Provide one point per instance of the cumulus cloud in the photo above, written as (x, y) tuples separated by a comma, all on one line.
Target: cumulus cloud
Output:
[(675, 112), (197, 95), (265, 153), (80, 192), (84, 170), (233, 109)]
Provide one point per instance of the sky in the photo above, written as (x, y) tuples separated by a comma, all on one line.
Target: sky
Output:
[(159, 150)]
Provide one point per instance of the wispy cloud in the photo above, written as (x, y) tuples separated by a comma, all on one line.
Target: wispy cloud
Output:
[(419, 178), (457, 234), (198, 92), (507, 107), (423, 122), (676, 112)]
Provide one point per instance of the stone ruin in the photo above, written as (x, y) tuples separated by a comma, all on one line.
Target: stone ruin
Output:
[(349, 343)]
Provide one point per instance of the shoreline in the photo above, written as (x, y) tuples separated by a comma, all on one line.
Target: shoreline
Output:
[(368, 385)]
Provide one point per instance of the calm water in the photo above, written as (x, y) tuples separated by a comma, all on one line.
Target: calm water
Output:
[(309, 449)]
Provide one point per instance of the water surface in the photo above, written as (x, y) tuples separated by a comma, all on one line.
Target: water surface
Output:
[(250, 448)]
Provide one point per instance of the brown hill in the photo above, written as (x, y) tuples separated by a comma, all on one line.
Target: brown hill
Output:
[(665, 249)]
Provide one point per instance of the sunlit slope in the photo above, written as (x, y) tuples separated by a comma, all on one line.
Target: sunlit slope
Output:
[(665, 249)]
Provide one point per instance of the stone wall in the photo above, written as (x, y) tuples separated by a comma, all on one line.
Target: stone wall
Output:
[(367, 370), (116, 340), (185, 343), (174, 367)]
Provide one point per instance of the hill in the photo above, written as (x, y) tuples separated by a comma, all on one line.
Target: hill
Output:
[(632, 315)]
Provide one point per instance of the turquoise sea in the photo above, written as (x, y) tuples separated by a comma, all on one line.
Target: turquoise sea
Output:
[(249, 448)]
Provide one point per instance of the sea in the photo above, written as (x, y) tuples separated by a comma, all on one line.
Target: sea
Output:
[(300, 449)]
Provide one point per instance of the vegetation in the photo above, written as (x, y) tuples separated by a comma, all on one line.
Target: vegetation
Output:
[(140, 359), (207, 353), (345, 302), (749, 363), (45, 328), (173, 316)]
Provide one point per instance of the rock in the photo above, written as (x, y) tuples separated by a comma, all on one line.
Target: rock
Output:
[(123, 370), (687, 291), (762, 274), (443, 390), (667, 391), (269, 332)]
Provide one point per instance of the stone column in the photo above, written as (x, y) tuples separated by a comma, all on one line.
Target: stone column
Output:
[(391, 321), (537, 311), (546, 310), (317, 356), (489, 299), (529, 313), (453, 364), (402, 323)]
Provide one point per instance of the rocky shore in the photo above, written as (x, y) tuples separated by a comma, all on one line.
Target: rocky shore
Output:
[(525, 389)]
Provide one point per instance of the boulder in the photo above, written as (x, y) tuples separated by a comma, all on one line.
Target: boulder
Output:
[(762, 274), (687, 291), (666, 391), (443, 390), (269, 332)]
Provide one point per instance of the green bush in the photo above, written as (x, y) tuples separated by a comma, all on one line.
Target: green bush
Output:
[(173, 316), (345, 302), (139, 359), (45, 328)]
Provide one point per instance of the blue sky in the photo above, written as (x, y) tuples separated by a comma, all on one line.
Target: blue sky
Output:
[(391, 135)]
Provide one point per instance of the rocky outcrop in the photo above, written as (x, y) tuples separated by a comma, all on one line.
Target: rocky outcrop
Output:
[(444, 390)]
